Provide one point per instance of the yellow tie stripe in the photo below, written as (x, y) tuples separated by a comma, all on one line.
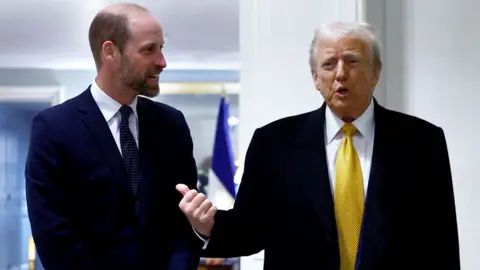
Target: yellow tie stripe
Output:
[(348, 199)]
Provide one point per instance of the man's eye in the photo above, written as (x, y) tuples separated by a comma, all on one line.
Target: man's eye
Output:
[(327, 65)]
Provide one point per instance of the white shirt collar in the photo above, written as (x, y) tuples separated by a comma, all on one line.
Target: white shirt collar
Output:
[(365, 124), (108, 106)]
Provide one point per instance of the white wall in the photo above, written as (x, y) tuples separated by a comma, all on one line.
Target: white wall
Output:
[(433, 72)]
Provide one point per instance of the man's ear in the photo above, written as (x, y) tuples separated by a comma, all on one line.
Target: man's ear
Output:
[(377, 71), (315, 78), (109, 50)]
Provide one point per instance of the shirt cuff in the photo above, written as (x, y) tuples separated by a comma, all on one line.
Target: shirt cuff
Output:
[(203, 238)]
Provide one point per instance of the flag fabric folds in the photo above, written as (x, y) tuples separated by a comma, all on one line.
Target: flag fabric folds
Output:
[(221, 184)]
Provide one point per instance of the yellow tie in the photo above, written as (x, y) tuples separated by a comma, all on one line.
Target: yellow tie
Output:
[(348, 199)]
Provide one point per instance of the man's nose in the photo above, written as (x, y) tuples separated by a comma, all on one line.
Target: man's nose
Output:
[(341, 73), (160, 61)]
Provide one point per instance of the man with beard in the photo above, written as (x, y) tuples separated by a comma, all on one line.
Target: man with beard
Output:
[(102, 166)]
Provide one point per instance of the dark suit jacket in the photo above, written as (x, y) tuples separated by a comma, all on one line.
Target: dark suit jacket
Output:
[(285, 205), (80, 204)]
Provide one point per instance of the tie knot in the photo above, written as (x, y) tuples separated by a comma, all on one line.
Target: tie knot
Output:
[(349, 129), (126, 111)]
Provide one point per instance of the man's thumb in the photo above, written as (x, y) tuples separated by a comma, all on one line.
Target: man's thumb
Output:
[(183, 189)]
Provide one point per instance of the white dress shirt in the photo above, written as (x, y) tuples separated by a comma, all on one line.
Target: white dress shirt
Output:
[(363, 141), (110, 110)]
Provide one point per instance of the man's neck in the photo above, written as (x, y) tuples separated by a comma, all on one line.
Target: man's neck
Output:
[(348, 116), (348, 119), (116, 91)]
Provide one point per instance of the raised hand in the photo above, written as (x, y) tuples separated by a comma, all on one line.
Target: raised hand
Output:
[(198, 209)]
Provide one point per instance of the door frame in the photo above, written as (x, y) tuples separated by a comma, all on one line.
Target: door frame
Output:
[(51, 94)]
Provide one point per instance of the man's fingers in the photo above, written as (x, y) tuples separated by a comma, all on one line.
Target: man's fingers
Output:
[(187, 199), (210, 213), (195, 203), (197, 208), (183, 189), (198, 200), (203, 208), (192, 203), (190, 196)]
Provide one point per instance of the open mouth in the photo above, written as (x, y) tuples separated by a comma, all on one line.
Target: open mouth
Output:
[(342, 91)]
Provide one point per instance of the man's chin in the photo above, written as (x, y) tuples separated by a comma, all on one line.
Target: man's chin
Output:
[(341, 107), (150, 92), (340, 103)]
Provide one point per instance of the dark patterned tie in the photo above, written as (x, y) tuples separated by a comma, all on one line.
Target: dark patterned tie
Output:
[(130, 152)]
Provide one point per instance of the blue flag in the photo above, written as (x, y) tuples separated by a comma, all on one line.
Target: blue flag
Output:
[(223, 165)]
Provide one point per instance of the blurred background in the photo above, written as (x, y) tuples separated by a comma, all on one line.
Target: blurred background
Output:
[(254, 53)]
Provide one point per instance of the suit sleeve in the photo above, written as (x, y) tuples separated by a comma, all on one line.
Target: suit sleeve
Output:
[(241, 230), (186, 254), (58, 245), (442, 220)]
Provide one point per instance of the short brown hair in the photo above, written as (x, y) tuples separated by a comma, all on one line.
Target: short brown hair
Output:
[(108, 26), (111, 24)]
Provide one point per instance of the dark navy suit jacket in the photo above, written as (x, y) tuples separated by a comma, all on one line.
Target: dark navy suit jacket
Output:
[(80, 204)]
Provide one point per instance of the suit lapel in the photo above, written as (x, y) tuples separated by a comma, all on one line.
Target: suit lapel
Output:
[(153, 147), (93, 119), (146, 136), (376, 227), (314, 171)]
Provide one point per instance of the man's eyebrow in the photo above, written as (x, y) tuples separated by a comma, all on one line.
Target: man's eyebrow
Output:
[(352, 53)]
